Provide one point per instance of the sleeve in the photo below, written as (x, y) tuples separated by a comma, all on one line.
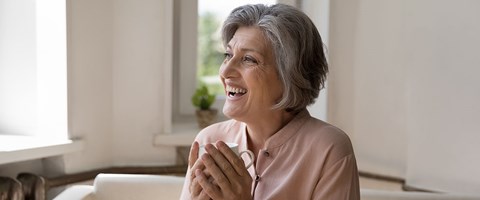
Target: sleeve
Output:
[(340, 181)]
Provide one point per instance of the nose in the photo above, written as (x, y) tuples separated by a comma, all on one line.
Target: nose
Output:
[(228, 69)]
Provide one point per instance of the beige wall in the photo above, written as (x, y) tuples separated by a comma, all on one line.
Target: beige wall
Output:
[(403, 84)]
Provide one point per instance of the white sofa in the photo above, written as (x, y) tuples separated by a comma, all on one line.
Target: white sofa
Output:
[(126, 187), (146, 187)]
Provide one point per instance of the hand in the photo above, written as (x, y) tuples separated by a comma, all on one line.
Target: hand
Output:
[(194, 164), (231, 178)]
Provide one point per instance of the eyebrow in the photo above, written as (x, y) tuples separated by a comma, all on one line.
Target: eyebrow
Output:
[(247, 49)]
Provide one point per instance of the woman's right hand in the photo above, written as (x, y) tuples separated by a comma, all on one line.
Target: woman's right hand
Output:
[(196, 191)]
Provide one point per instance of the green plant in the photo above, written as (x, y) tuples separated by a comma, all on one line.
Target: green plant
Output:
[(202, 99)]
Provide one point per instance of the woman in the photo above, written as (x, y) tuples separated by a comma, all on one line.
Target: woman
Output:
[(274, 68)]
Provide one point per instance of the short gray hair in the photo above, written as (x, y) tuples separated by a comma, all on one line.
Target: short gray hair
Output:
[(297, 45)]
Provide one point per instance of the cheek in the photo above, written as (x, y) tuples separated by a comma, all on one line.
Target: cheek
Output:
[(260, 73), (275, 85), (276, 89), (258, 78), (268, 82)]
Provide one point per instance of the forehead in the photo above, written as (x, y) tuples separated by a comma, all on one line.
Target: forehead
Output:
[(251, 38)]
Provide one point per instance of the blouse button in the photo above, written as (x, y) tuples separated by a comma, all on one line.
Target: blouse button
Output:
[(266, 153), (257, 178)]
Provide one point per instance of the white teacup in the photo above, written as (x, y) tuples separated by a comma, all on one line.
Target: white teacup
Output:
[(234, 148)]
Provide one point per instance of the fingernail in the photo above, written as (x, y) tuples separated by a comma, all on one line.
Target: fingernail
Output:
[(204, 156), (209, 147), (221, 144)]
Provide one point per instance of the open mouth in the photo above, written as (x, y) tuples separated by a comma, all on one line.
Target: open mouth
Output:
[(235, 92)]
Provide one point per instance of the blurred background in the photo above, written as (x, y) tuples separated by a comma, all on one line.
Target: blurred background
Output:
[(93, 84)]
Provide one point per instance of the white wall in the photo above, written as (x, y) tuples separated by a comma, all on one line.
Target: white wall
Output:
[(443, 95), (140, 35), (403, 83), (90, 82), (119, 82), (373, 83)]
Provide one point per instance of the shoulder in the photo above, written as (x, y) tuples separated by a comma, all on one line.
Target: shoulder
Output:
[(327, 138)]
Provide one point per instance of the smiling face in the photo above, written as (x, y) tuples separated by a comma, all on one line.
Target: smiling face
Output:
[(249, 76)]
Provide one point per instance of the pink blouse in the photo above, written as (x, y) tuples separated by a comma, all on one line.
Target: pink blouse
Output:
[(306, 159)]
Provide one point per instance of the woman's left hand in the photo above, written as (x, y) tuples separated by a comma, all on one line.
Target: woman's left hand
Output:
[(231, 179)]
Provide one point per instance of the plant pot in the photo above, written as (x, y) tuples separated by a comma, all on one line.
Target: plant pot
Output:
[(206, 117)]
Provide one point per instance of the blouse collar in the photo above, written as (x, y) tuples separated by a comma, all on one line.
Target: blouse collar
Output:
[(285, 133)]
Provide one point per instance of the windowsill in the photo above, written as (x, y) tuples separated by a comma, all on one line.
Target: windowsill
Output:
[(185, 128), (182, 134), (16, 148)]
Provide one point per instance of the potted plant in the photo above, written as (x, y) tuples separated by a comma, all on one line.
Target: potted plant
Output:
[(203, 100)]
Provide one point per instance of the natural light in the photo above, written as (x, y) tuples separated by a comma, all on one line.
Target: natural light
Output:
[(34, 118)]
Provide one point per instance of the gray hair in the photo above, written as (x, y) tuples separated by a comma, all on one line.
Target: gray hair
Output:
[(297, 46)]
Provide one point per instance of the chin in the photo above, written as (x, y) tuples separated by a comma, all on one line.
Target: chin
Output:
[(230, 112), (227, 112)]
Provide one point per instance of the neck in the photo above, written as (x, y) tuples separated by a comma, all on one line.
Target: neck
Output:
[(258, 131)]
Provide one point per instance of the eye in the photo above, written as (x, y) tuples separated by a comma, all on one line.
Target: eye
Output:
[(227, 55), (250, 59)]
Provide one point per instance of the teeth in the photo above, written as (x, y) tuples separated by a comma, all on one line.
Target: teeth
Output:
[(236, 90)]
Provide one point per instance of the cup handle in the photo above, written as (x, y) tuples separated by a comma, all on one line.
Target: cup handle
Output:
[(250, 155)]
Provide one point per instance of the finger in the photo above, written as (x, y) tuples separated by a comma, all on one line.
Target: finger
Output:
[(199, 195), (207, 187), (236, 162), (198, 165), (203, 196), (225, 165), (195, 188), (218, 174), (193, 161), (193, 154)]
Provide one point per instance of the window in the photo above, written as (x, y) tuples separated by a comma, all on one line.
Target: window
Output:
[(33, 76), (33, 95)]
